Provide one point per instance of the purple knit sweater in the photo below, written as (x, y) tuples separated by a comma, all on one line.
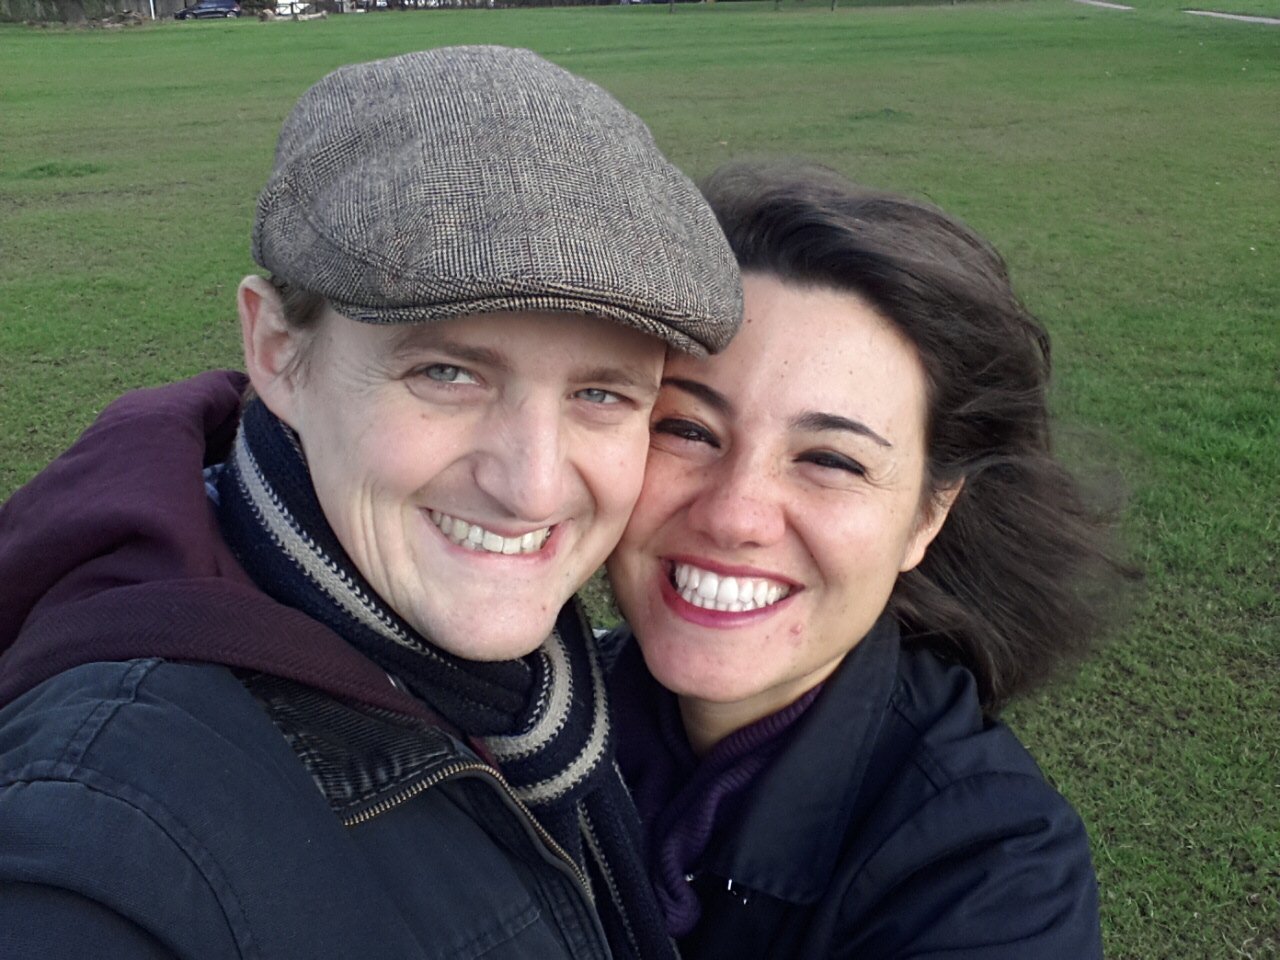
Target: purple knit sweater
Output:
[(684, 800)]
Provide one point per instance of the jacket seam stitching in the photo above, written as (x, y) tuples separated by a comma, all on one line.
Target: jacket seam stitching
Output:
[(82, 740)]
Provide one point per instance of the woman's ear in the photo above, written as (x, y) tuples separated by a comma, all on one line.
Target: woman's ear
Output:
[(932, 516), (271, 346)]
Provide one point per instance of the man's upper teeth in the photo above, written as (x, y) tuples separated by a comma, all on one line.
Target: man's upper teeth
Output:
[(702, 588), (476, 537)]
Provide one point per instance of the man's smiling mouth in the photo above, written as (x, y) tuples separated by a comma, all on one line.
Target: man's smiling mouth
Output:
[(475, 537), (714, 591)]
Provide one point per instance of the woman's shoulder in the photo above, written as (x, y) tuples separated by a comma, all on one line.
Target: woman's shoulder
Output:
[(935, 714), (935, 773), (975, 850)]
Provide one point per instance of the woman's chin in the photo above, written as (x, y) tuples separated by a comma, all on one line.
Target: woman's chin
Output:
[(698, 678)]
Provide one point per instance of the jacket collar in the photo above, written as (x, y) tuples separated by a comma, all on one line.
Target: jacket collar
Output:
[(788, 837)]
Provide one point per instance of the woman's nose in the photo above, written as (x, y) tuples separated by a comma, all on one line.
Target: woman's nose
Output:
[(740, 504)]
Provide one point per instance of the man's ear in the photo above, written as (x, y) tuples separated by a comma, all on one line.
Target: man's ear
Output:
[(271, 346), (932, 516)]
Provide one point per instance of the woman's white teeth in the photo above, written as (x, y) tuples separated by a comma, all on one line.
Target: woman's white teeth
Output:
[(702, 588), (474, 537)]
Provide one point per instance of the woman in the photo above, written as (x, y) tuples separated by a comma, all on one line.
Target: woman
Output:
[(853, 547)]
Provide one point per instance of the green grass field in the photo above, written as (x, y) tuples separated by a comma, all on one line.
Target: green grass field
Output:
[(1126, 163), (1263, 8)]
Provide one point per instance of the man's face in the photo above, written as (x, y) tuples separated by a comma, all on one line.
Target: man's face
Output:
[(477, 471)]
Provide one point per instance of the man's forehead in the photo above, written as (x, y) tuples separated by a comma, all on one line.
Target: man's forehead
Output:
[(414, 336), (482, 330)]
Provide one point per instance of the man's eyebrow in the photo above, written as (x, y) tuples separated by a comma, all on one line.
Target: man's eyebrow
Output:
[(832, 421), (636, 378), (411, 341), (712, 398), (415, 339)]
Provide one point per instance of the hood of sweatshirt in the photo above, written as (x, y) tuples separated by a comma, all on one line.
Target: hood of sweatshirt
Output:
[(113, 552)]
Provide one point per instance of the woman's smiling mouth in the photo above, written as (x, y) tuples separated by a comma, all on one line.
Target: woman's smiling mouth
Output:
[(475, 537), (715, 591)]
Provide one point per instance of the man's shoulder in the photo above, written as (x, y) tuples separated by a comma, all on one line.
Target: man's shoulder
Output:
[(145, 784), (108, 714), (183, 748), (201, 743), (232, 815), (110, 766)]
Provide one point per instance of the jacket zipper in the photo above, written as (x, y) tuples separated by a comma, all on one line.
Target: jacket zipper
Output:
[(470, 766)]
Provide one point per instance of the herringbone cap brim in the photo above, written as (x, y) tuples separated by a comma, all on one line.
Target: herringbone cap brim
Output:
[(470, 180)]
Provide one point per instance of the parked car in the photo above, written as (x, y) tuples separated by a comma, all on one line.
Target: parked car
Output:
[(203, 9)]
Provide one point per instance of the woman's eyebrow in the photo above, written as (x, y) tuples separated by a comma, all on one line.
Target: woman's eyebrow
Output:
[(831, 421), (712, 398)]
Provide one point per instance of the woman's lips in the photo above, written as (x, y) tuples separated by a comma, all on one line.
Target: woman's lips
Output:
[(716, 598)]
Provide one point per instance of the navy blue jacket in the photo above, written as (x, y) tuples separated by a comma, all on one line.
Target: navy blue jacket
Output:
[(896, 822), (151, 809), (189, 769)]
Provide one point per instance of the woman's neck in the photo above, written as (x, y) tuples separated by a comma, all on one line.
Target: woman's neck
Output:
[(707, 722)]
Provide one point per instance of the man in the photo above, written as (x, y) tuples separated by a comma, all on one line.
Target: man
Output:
[(321, 689)]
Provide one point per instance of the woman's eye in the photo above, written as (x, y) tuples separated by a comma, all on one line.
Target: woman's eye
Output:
[(834, 461), (598, 395), (447, 373), (684, 430)]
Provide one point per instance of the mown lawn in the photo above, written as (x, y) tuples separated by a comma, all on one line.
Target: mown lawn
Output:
[(1126, 163), (1257, 8)]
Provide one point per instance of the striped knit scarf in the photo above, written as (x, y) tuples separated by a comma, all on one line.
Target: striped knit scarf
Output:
[(544, 717)]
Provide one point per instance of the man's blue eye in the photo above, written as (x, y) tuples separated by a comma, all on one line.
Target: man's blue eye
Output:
[(598, 395), (447, 373)]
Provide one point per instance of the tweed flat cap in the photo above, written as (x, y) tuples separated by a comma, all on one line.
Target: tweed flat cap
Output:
[(470, 180)]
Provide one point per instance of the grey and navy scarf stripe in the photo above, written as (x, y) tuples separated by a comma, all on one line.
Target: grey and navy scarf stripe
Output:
[(544, 717)]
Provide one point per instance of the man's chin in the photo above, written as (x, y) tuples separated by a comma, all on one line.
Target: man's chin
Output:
[(502, 648), (495, 638)]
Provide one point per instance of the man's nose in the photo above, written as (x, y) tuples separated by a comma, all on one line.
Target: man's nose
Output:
[(524, 467)]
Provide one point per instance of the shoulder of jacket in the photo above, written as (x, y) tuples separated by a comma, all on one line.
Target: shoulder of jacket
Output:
[(95, 787), (963, 782), (949, 737), (81, 710)]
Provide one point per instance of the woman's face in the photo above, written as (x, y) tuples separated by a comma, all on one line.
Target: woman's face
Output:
[(782, 499)]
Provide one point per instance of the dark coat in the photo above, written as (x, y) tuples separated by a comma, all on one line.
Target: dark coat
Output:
[(189, 769), (151, 809), (897, 823)]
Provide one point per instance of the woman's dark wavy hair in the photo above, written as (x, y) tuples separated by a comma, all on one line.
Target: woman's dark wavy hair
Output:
[(1008, 587)]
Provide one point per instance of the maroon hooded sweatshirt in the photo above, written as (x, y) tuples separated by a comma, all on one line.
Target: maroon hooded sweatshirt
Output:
[(113, 553)]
